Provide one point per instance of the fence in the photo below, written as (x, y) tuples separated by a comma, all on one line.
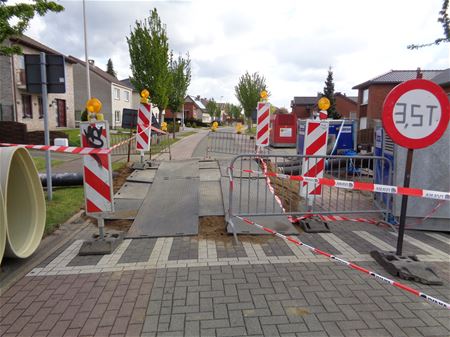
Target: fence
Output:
[(160, 143), (231, 143), (254, 193), (6, 113)]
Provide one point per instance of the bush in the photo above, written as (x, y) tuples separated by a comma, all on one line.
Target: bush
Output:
[(170, 127)]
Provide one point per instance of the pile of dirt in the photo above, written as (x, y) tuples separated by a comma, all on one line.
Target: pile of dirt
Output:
[(287, 190), (215, 228), (120, 176)]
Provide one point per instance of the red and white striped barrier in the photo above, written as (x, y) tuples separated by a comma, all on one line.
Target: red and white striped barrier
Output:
[(262, 127), (98, 187), (330, 218), (144, 120), (351, 265), (316, 135), (62, 149), (361, 186)]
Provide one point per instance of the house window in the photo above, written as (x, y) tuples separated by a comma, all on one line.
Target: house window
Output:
[(27, 112), (117, 116), (116, 93), (126, 96), (40, 107), (365, 96), (21, 62)]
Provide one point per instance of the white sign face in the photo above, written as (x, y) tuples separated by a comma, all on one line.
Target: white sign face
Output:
[(285, 132), (417, 114)]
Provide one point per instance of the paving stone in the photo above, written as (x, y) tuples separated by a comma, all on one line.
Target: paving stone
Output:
[(233, 331)]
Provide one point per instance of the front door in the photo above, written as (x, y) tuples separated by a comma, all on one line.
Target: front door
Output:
[(61, 112)]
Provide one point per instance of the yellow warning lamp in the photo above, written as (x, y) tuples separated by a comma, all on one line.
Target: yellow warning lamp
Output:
[(93, 105), (264, 95), (164, 126), (214, 126), (239, 128), (324, 103), (145, 94)]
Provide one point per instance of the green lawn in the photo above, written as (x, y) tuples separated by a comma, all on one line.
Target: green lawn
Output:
[(74, 137), (66, 202), (251, 131), (40, 163)]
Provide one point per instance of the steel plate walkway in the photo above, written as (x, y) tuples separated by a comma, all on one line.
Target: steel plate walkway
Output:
[(171, 209)]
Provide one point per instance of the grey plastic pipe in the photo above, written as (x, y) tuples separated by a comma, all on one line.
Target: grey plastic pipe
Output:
[(2, 226), (24, 202)]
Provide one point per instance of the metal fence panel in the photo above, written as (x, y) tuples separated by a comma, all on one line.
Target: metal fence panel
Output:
[(248, 196), (231, 143)]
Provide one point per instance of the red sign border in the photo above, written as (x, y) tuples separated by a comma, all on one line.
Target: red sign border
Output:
[(387, 115)]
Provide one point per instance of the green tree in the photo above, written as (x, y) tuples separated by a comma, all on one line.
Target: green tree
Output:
[(445, 22), (14, 19), (148, 45), (248, 92), (213, 108), (180, 73), (328, 92), (110, 68), (235, 111)]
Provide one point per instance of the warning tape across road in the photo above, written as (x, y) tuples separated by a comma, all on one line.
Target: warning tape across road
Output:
[(78, 150), (62, 149), (351, 265), (361, 186)]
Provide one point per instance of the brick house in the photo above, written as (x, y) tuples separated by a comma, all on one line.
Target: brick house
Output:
[(371, 94), (21, 106), (304, 106), (193, 109)]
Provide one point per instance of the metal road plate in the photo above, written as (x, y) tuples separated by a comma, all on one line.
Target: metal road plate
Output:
[(178, 169), (208, 164), (210, 174), (131, 190), (171, 209), (124, 209), (142, 176), (210, 199)]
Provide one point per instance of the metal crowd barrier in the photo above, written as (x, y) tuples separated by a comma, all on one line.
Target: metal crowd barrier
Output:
[(159, 143), (230, 143), (253, 194)]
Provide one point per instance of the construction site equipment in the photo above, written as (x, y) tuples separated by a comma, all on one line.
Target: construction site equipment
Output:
[(24, 203)]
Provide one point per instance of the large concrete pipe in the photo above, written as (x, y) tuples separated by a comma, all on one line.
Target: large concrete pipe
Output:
[(25, 208), (2, 226)]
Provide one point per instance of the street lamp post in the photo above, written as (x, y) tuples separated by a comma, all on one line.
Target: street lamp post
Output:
[(88, 80)]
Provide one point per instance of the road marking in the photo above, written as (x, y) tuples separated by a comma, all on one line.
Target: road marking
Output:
[(340, 245), (116, 255), (439, 237), (424, 246)]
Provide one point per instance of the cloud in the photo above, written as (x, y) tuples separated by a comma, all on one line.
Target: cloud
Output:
[(292, 43)]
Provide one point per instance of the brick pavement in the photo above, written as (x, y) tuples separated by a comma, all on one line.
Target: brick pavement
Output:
[(268, 288)]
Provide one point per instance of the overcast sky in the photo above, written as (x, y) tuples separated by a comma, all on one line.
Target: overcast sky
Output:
[(291, 43)]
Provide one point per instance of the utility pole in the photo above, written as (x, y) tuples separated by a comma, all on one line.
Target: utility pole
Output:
[(88, 79)]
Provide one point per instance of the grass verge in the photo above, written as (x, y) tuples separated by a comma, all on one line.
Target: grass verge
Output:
[(74, 137), (40, 163), (65, 203)]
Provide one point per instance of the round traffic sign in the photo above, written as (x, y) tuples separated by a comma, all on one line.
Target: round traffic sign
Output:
[(416, 113)]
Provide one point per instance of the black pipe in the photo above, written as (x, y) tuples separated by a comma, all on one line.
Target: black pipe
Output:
[(63, 179)]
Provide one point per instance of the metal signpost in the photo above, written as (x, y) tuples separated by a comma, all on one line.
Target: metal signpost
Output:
[(415, 115), (45, 74)]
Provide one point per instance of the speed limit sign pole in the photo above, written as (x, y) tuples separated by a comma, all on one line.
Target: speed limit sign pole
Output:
[(415, 115)]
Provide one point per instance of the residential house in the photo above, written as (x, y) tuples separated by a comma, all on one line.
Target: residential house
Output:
[(304, 106), (194, 108), (135, 95), (17, 104), (371, 94), (114, 95)]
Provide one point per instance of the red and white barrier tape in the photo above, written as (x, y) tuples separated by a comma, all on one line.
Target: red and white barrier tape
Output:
[(78, 150), (361, 186), (351, 265), (62, 149), (331, 218)]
